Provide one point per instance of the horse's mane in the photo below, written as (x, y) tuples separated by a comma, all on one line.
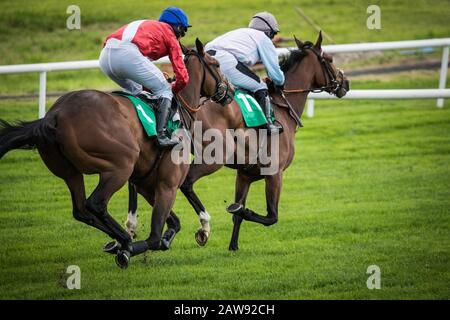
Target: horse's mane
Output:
[(294, 57)]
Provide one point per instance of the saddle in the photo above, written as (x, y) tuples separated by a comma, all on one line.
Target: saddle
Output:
[(145, 108)]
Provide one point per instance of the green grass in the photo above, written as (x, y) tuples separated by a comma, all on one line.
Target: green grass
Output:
[(370, 184), (36, 32), (41, 26)]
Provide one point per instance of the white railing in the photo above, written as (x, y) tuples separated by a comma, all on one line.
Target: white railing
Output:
[(440, 93), (373, 94)]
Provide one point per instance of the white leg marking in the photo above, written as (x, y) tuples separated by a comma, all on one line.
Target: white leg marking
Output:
[(204, 221), (131, 223)]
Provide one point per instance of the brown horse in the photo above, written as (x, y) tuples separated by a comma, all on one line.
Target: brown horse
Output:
[(93, 132), (307, 69)]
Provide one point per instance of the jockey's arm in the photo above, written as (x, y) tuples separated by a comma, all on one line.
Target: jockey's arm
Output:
[(176, 58), (269, 58)]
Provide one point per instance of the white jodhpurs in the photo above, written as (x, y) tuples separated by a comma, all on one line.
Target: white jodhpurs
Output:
[(129, 68), (237, 73)]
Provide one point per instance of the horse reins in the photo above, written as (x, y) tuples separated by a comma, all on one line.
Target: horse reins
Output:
[(222, 87)]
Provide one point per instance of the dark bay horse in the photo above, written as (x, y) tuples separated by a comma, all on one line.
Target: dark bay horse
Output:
[(93, 132), (306, 69)]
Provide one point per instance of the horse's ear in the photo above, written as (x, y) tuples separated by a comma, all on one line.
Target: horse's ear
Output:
[(199, 46), (318, 44), (184, 49), (298, 42)]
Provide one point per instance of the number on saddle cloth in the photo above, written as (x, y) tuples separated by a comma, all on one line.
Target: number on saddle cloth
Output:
[(251, 110)]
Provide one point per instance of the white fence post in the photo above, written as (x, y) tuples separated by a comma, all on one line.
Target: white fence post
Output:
[(310, 108), (42, 93), (443, 76)]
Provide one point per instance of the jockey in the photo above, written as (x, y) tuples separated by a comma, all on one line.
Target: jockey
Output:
[(127, 58), (242, 48)]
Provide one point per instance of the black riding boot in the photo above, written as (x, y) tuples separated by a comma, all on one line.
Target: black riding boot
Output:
[(162, 118), (262, 96)]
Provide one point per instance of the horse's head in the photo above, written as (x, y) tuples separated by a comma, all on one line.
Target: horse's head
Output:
[(318, 65), (204, 71)]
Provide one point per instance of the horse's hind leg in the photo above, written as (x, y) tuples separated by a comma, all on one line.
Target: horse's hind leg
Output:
[(75, 183), (97, 203), (197, 171), (63, 169)]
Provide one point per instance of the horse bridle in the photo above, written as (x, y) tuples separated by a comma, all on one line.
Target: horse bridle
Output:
[(334, 84), (222, 93)]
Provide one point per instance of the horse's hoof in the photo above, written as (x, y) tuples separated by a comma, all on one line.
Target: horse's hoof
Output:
[(112, 247), (165, 245), (233, 247), (201, 236), (123, 259), (155, 246), (167, 239), (235, 208)]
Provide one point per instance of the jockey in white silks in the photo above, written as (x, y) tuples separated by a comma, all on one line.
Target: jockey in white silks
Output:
[(242, 48)]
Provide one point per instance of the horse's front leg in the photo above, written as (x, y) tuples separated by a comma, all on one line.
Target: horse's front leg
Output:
[(131, 224), (273, 190), (242, 188), (173, 222), (197, 171), (164, 200)]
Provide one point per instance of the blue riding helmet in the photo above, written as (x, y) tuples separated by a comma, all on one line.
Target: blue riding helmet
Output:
[(175, 17)]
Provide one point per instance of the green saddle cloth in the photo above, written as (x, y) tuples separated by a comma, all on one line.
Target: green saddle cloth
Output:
[(250, 109), (146, 115)]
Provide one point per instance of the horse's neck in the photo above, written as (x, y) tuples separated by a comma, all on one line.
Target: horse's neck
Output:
[(190, 99), (297, 101), (191, 95), (305, 81)]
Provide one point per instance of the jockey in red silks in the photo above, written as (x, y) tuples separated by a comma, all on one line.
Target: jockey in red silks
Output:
[(127, 58)]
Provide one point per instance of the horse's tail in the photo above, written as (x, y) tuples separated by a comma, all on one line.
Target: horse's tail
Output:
[(26, 135)]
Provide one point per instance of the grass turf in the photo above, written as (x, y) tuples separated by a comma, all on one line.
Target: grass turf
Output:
[(369, 185)]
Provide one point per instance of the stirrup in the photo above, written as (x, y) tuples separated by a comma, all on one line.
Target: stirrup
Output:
[(273, 129), (164, 141)]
